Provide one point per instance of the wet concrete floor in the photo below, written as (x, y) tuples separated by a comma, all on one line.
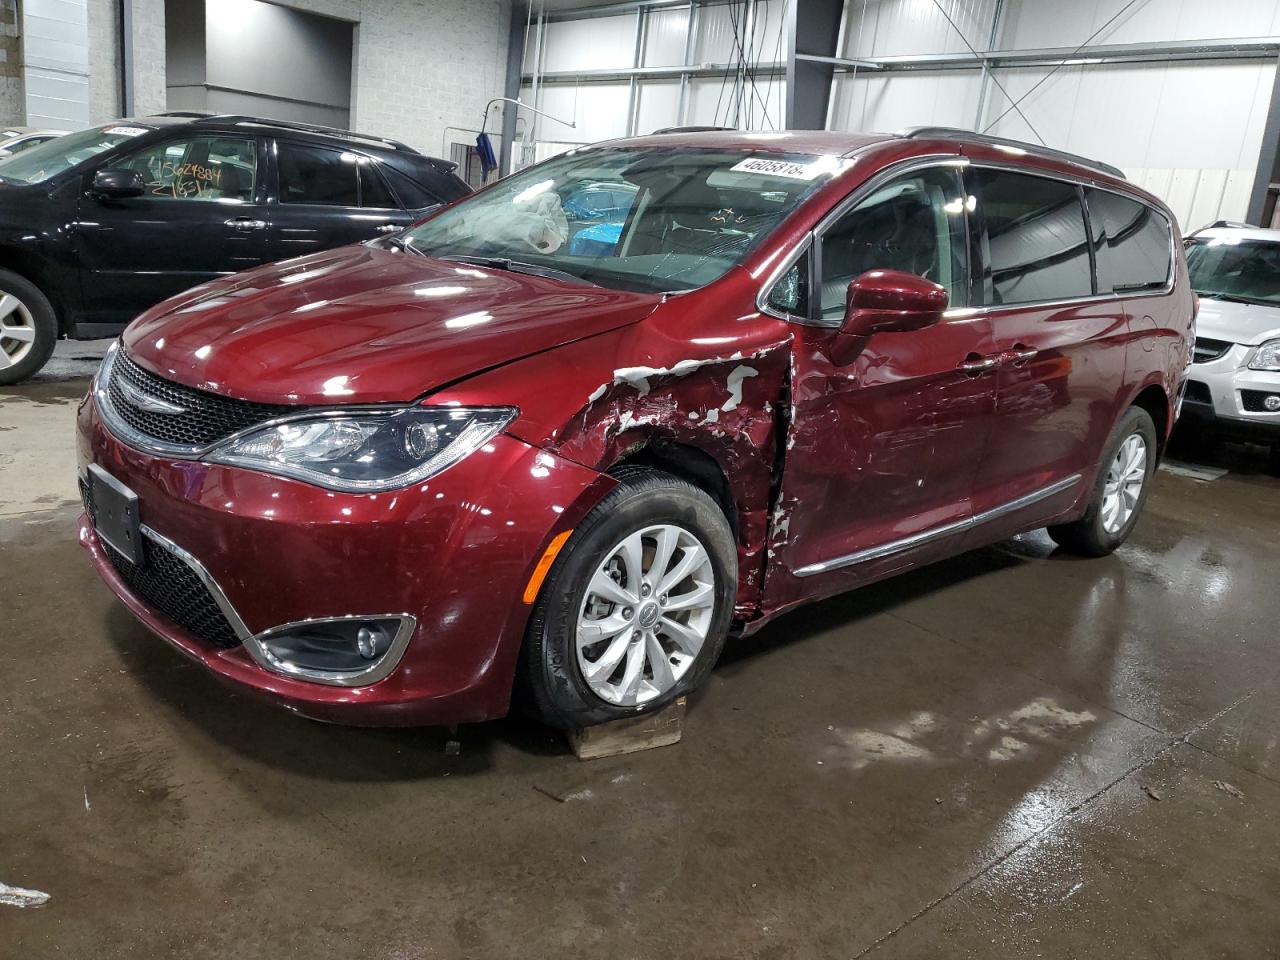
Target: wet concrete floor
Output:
[(1013, 754)]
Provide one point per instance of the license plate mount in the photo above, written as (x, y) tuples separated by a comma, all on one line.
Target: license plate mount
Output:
[(116, 514)]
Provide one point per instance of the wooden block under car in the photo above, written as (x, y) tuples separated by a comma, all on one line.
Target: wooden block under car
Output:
[(631, 735)]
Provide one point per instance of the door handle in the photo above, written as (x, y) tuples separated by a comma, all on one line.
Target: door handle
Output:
[(390, 228), (1020, 355), (246, 224), (975, 364)]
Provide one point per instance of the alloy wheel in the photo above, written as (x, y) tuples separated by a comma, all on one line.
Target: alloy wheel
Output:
[(17, 330), (645, 615), (1123, 488)]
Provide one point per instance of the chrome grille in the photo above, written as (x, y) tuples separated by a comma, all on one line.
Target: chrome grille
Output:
[(205, 419), (168, 585)]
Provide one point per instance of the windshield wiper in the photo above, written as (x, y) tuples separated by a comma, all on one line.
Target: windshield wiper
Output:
[(519, 266), (1144, 285), (1232, 298)]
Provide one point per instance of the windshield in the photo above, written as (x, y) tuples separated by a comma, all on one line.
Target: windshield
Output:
[(652, 220), (40, 163), (1232, 269)]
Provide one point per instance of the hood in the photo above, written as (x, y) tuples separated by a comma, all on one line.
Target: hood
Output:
[(365, 325), (1247, 323)]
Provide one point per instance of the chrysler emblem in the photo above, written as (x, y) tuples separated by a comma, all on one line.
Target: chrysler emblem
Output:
[(146, 402)]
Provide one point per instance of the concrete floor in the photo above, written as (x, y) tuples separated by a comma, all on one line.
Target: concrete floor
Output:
[(1014, 754)]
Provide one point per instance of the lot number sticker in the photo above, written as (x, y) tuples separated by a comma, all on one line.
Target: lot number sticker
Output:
[(783, 168)]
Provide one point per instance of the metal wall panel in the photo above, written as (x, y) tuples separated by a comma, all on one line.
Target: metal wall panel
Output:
[(56, 63), (666, 33), (891, 101), (1032, 24), (886, 28), (593, 44)]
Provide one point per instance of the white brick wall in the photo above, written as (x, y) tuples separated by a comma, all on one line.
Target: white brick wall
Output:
[(421, 65)]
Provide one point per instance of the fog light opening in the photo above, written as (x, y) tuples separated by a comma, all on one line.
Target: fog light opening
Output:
[(1272, 402), (346, 651)]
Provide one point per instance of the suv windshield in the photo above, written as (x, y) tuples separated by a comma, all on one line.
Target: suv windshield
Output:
[(1231, 269), (62, 153), (652, 220)]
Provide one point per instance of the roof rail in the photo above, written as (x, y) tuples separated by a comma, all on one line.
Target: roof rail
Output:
[(316, 128), (661, 130), (969, 136), (1228, 223), (191, 114)]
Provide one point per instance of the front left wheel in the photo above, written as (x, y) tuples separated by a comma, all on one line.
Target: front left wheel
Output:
[(28, 328), (637, 605)]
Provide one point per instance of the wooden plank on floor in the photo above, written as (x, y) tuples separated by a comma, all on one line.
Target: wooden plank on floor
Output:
[(647, 732)]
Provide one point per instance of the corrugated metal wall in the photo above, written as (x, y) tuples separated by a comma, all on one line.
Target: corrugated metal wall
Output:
[(1190, 131), (599, 108)]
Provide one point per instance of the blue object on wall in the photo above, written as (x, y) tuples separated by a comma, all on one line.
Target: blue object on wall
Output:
[(488, 159)]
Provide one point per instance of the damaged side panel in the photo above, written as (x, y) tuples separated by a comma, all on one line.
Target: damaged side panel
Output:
[(722, 406), (659, 393)]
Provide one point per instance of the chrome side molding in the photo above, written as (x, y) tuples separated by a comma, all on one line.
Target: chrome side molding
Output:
[(938, 533)]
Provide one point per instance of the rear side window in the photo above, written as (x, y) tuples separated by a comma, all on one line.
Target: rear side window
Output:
[(413, 195), (318, 175), (1037, 247), (1131, 243), (373, 190)]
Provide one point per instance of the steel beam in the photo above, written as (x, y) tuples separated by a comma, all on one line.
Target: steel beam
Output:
[(1249, 48), (1267, 157), (656, 73), (813, 34)]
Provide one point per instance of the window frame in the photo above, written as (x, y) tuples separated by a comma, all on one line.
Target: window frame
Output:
[(813, 239), (1081, 183), (979, 265), (277, 197), (186, 135), (1093, 242)]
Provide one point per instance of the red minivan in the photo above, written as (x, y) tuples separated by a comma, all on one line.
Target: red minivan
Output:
[(529, 446)]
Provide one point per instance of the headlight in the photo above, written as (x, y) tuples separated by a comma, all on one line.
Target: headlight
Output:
[(1267, 357), (367, 452)]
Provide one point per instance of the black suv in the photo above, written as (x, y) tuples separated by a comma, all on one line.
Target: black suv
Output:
[(98, 225)]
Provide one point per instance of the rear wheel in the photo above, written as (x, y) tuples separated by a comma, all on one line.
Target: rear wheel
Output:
[(636, 608), (1120, 490), (28, 328)]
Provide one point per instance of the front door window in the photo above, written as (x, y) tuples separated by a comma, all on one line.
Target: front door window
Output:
[(915, 223), (198, 168)]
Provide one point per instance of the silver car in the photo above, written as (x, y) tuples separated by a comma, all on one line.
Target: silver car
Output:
[(1235, 379), (16, 139)]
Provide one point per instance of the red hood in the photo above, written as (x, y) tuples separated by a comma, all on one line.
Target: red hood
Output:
[(365, 325)]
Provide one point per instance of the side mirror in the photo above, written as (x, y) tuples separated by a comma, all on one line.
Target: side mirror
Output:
[(882, 301), (118, 184)]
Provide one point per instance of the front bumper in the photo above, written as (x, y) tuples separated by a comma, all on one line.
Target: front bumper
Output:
[(1226, 395), (454, 552)]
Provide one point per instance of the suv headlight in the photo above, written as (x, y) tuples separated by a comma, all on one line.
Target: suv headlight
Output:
[(369, 451), (1267, 357)]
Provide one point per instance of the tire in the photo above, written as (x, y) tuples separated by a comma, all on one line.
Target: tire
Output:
[(1100, 531), (1275, 460), (28, 328), (557, 654)]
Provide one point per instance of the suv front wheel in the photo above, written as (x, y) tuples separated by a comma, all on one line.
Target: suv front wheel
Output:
[(637, 605), (28, 328)]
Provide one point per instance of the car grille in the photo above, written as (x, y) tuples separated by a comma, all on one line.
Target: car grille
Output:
[(206, 417), (1207, 349), (1198, 392), (1255, 400), (167, 584)]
